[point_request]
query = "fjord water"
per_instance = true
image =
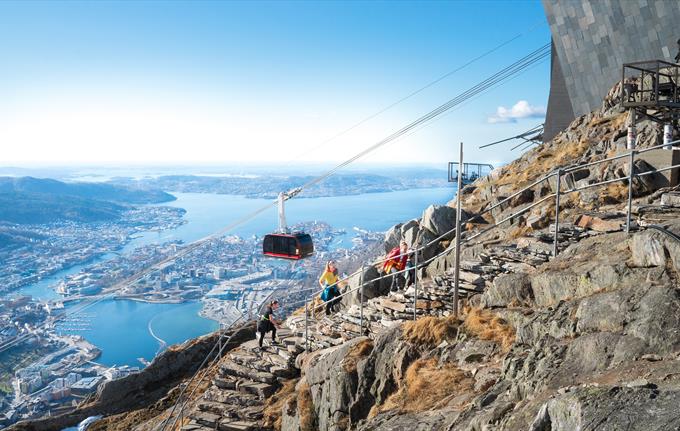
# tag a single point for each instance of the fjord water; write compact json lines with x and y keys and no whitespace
{"x":122,"y":328}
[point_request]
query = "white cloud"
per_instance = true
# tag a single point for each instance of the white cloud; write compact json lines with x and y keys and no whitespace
{"x":521,"y":109}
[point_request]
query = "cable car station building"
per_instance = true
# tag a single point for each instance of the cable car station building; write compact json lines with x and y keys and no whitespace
{"x":592,"y":40}
{"x":597,"y":44}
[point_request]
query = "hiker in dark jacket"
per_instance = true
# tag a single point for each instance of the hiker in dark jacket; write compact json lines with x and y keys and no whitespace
{"x":329,"y":282}
{"x":267,"y":322}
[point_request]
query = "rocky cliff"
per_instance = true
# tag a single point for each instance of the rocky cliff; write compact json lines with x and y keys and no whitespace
{"x":588,"y":340}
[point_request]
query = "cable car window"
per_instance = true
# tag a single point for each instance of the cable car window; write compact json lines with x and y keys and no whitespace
{"x":280,"y":244}
{"x":268,"y":244}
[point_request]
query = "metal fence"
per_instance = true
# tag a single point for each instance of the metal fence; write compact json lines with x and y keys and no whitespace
{"x":558,"y":174}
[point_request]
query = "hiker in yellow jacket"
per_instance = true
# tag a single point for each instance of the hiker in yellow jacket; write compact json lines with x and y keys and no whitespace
{"x":329,"y":282}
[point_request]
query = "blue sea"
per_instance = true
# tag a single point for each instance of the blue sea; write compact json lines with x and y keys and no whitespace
{"x":121,"y":328}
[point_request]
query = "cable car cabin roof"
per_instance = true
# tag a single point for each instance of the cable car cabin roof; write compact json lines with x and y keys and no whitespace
{"x":288,"y":246}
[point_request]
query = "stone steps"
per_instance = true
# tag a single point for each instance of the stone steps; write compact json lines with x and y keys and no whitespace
{"x":231,"y":397}
{"x":229,"y":368}
{"x":262,"y":390}
{"x":215,"y":422}
{"x":193,"y":426}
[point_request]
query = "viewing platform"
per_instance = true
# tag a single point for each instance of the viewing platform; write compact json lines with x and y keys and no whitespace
{"x":651,"y":89}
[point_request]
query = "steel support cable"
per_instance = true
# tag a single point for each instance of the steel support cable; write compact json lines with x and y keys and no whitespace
{"x":503,"y":74}
{"x":509,"y":71}
{"x":133,"y":279}
{"x":205,"y":360}
{"x":416,"y":92}
{"x":665,"y":231}
{"x":193,"y":377}
{"x":471,"y":99}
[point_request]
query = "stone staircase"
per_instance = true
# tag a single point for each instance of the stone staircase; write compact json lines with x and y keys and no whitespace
{"x":247,"y":376}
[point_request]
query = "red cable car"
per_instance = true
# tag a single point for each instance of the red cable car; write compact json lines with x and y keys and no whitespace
{"x":286,"y":245}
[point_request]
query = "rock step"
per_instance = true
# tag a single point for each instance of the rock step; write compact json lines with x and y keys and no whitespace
{"x":248,"y":360}
{"x":294,"y":339}
{"x":229,"y":425}
{"x":231,"y":397}
{"x":230,"y":411}
{"x":262,"y":390}
{"x":278,"y":367}
{"x":206,"y":419}
{"x":224,"y":382}
{"x":214,"y":422}
{"x":193,"y":426}
{"x":229,"y":368}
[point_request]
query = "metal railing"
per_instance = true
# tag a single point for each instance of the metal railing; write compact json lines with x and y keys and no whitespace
{"x":220,"y":346}
{"x":418,"y":265}
{"x":665,"y":231}
{"x":557,"y":174}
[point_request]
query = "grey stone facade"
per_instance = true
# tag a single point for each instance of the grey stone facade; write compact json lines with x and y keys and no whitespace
{"x":592,"y":40}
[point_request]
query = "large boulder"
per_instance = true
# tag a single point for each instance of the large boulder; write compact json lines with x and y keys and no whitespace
{"x":372,"y":289}
{"x":508,"y":289}
{"x":610,"y":408}
{"x":333,"y":385}
{"x":392,"y":237}
{"x":382,"y":372}
{"x":346,"y":381}
{"x":430,"y":247}
{"x":440,"y":219}
{"x":647,"y":249}
{"x":656,"y":319}
{"x":410,"y":231}
{"x":652,"y":248}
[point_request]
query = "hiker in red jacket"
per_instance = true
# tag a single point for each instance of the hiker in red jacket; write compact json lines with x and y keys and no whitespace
{"x":398,"y":260}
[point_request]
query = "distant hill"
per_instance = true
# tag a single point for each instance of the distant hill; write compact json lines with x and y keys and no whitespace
{"x":268,"y":185}
{"x":32,"y":208}
{"x":98,"y":191}
{"x":28,"y":200}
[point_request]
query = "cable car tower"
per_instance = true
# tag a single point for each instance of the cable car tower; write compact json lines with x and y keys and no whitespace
{"x":283,"y":244}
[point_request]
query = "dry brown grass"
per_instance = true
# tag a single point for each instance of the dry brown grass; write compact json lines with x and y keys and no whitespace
{"x":298,"y":312}
{"x":273,"y":407}
{"x":305,"y":408}
{"x":431,"y":331}
{"x":358,"y":351}
{"x":316,"y":307}
{"x":613,"y":193}
{"x":427,"y":385}
{"x":486,"y":325}
{"x":519,"y":231}
{"x":157,"y":412}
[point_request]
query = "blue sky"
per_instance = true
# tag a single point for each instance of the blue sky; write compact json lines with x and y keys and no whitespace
{"x":218,"y":82}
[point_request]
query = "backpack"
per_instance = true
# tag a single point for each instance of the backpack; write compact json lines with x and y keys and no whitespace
{"x":325,"y":295}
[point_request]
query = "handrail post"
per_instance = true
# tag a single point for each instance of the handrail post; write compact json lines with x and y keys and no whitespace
{"x":459,"y":211}
{"x":306,"y":325}
{"x":630,"y":189}
{"x":557,"y":211}
{"x":219,"y":341}
{"x":415,"y":283}
{"x":361,"y":300}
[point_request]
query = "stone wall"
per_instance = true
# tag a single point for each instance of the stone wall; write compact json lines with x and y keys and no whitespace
{"x":594,"y":38}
